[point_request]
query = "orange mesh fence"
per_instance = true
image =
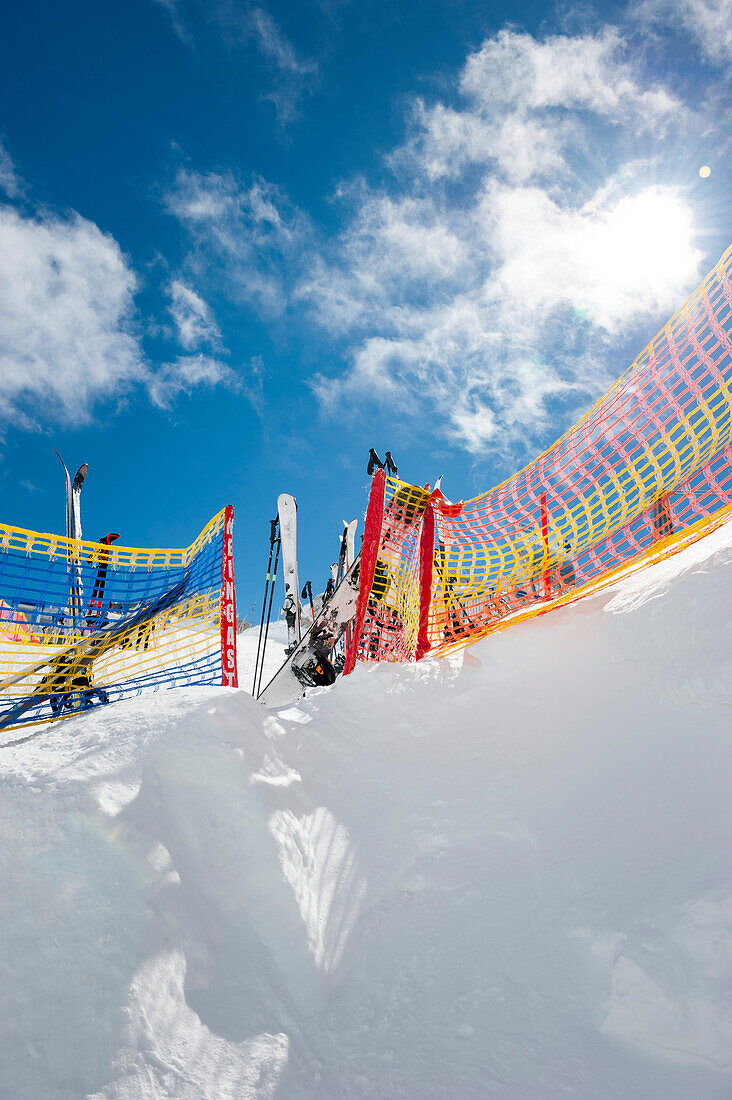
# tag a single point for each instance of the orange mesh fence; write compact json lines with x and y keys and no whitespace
{"x":650,"y":460}
{"x":388,"y":620}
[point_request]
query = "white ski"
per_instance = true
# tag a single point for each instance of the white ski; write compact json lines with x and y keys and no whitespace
{"x":76,"y":485}
{"x":287,"y":511}
{"x":350,"y":542}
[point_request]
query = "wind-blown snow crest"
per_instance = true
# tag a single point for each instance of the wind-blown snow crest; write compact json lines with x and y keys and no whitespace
{"x":505,"y":874}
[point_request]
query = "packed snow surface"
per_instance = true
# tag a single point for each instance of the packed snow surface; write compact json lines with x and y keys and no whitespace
{"x":506,"y":875}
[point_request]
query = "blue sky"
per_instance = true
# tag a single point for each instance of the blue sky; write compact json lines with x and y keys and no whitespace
{"x":242,"y":243}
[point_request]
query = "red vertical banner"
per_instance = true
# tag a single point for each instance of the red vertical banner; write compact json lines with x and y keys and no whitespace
{"x":426,"y":559}
{"x":369,"y":553}
{"x":228,"y":604}
{"x":545,"y":540}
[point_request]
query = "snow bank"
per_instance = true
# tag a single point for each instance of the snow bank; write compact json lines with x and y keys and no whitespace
{"x":504,"y":875}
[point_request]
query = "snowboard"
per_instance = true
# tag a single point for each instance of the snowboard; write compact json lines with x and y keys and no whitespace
{"x":309,"y":665}
{"x":287,"y":512}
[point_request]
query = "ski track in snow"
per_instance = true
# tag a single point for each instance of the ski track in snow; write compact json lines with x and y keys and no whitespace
{"x":503,"y":874}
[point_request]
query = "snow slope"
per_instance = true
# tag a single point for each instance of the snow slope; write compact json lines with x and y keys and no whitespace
{"x":507,"y":875}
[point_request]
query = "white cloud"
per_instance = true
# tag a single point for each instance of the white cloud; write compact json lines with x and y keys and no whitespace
{"x":275,"y":46}
{"x":293,"y":75}
{"x":69,"y":335}
{"x":186,"y":373}
{"x":454,"y":368}
{"x":486,"y":284}
{"x":177,"y":20}
{"x":446,"y":141}
{"x":708,"y":21}
{"x":253,"y":231}
{"x":194,"y":321}
{"x":609,"y":261}
{"x":570,"y":73}
{"x":289,"y":75}
{"x":392,"y":251}
{"x":494,"y":252}
{"x":10,"y":182}
{"x":525,"y":102}
{"x":66,"y":318}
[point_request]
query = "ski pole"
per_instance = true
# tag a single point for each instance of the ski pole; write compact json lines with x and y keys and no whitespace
{"x":341,"y":558}
{"x":272,"y":537}
{"x":307,"y":592}
{"x":374,"y":463}
{"x":390,"y":464}
{"x":261,"y":620}
{"x":269,"y":614}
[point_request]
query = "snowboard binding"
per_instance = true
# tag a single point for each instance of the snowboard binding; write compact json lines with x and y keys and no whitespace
{"x":315,"y":669}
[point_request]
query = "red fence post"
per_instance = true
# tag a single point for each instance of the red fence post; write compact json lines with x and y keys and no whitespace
{"x":545,"y":540}
{"x":229,"y":676}
{"x":426,"y":558}
{"x":369,"y":553}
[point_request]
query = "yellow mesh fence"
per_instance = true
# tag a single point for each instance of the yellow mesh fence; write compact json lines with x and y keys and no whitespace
{"x":639,"y":474}
{"x":84,"y":623}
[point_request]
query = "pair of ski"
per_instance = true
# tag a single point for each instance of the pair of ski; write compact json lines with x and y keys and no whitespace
{"x":287,"y":515}
{"x":309,"y":657}
{"x":73,"y":531}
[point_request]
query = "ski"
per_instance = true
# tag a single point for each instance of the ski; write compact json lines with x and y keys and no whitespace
{"x":101,"y":558}
{"x":77,"y":588}
{"x":350,"y":542}
{"x":76,"y":484}
{"x":341,"y":564}
{"x":310,"y":665}
{"x":287,"y":512}
{"x":69,"y":507}
{"x":348,"y":556}
{"x":73,"y":531}
{"x":73,"y":498}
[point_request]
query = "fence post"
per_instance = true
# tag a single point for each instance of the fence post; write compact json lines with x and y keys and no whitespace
{"x":369,"y":553}
{"x":545,"y":540}
{"x":228,"y":603}
{"x":426,"y":558}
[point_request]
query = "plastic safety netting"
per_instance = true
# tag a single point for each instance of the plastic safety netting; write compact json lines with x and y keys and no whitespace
{"x":84,"y":623}
{"x":648,"y":467}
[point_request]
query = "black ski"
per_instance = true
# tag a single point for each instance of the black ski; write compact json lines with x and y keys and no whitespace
{"x":73,"y":531}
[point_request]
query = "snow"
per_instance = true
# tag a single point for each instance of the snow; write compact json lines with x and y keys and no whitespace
{"x":247,"y":644}
{"x":505,"y":874}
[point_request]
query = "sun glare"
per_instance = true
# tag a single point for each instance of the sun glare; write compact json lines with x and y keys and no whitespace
{"x":651,"y":239}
